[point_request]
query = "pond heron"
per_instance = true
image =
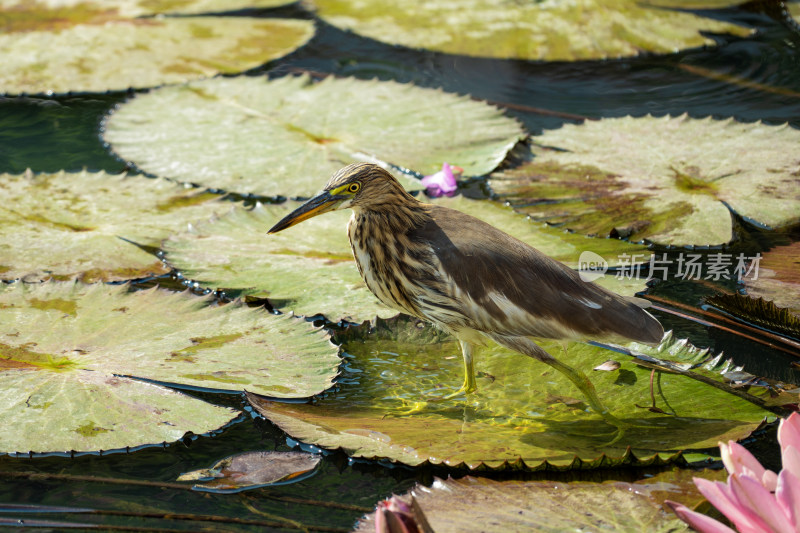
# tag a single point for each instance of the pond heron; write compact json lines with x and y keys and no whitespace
{"x":472,"y":279}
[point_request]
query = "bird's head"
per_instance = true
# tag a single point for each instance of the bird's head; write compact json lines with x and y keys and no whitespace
{"x":360,"y":185}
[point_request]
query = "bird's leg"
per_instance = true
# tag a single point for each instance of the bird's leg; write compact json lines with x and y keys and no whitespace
{"x":469,"y":385}
{"x":578,"y":378}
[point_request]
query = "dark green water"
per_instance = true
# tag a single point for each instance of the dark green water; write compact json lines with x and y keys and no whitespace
{"x":50,"y":134}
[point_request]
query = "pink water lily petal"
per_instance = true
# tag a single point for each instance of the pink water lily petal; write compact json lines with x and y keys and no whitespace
{"x":721,"y":496}
{"x":789,"y":433}
{"x":769,"y":480}
{"x":788,"y":496}
{"x":790,"y":457}
{"x":738,"y":460}
{"x":698,"y":521}
{"x":443,"y":182}
{"x":751,"y":494}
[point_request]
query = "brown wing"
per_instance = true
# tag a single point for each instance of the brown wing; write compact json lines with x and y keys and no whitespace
{"x":521,"y":290}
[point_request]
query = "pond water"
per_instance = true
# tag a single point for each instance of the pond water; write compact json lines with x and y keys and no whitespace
{"x":750,"y":80}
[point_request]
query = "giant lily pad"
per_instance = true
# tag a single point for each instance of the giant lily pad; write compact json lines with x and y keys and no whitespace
{"x":21,"y":9}
{"x":286,"y":136}
{"x":524,"y":414}
{"x":550,"y":507}
{"x":310,"y":268}
{"x":91,"y":47}
{"x":67,"y":226}
{"x":668,"y":179}
{"x":778,"y":278}
{"x":552,"y":31}
{"x":67,"y":349}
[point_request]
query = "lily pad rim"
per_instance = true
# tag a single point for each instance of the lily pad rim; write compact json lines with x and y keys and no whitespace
{"x":628,"y":459}
{"x":239,"y":418}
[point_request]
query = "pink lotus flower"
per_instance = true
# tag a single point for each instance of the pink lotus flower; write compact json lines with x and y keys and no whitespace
{"x":443,"y":182}
{"x":754,"y":499}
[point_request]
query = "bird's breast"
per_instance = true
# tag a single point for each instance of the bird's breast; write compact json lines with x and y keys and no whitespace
{"x":380,"y":263}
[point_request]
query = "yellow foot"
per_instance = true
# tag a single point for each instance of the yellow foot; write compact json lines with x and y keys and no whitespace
{"x":411,"y":409}
{"x":465,"y":389}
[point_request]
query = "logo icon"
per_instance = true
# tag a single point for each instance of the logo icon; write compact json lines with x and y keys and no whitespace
{"x":591,"y":266}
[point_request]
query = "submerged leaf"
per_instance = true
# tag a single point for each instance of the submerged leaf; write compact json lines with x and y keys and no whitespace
{"x":287,"y":136}
{"x":251,"y":470}
{"x":524,"y":414}
{"x":668,"y":179}
{"x":310,"y":269}
{"x":92,"y":47}
{"x":455,"y":505}
{"x":66,"y":349}
{"x":548,"y":30}
{"x":87,"y":225}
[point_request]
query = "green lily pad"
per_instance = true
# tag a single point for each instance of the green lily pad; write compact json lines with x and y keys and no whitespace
{"x":310,"y":269}
{"x":285,"y":136}
{"x":67,"y":351}
{"x":551,"y":31}
{"x":250,"y":470}
{"x":91,"y":47}
{"x":455,"y":505}
{"x":78,"y":226}
{"x":778,"y":278}
{"x":694,"y":4}
{"x":524,"y":414}
{"x":25,"y":10}
{"x":666,"y":179}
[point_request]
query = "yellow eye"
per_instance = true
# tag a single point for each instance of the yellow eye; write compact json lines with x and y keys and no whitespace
{"x":354,"y":187}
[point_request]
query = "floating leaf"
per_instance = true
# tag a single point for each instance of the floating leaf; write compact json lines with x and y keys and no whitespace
{"x":694,"y":4}
{"x":287,"y":136}
{"x":66,"y":348}
{"x":524,"y":414}
{"x":67,"y":226}
{"x":551,"y":31}
{"x":548,"y":506}
{"x":763,"y":313}
{"x":666,"y":179}
{"x":311,"y":270}
{"x":90,"y":47}
{"x":249,"y":470}
{"x":81,"y":9}
{"x":778,"y":278}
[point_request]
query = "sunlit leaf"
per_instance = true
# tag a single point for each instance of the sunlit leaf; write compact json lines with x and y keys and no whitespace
{"x":310,"y":268}
{"x":92,"y":47}
{"x":252,"y":469}
{"x":456,"y":505}
{"x":668,"y":179}
{"x":524,"y":414}
{"x":79,"y":9}
{"x":287,"y":136}
{"x":66,"y":351}
{"x":67,"y":226}
{"x":694,"y":4}
{"x":793,"y":10}
{"x":551,"y":31}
